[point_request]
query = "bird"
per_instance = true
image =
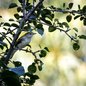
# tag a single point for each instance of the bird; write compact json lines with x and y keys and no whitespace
{"x":22,"y":42}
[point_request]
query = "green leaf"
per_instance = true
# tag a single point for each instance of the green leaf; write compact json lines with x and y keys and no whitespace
{"x":63,"y":4}
{"x":51,"y":16}
{"x":45,"y":12}
{"x":31,"y":81}
{"x":77,"y":17}
{"x":40,"y":67}
{"x":40,"y":29}
{"x":11,"y":19}
{"x":7,"y":24}
{"x":39,"y":64}
{"x":5,"y":28}
{"x":76,"y":46}
{"x":16,"y":16}
{"x":84,"y":8}
{"x":10,"y":78}
{"x":35,"y":77}
{"x":14,"y":25}
{"x":75,"y":29}
{"x":17,"y":63}
{"x":82,"y":36}
{"x":21,"y":1}
{"x":81,"y":18}
{"x":43,"y":53}
{"x":46,"y":49}
{"x":1,"y":46}
{"x":68,"y":18}
{"x":32,"y":68}
{"x":0,"y":16}
{"x":51,"y":29}
{"x":70,"y":5}
{"x":34,"y":0}
{"x":84,"y":21}
{"x":39,"y":26}
{"x":12,"y":5}
{"x":65,"y":24}
{"x":32,"y":17}
{"x":48,"y":22}
{"x":19,"y":9}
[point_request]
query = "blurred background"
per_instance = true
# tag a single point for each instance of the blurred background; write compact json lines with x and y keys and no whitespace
{"x":62,"y":66}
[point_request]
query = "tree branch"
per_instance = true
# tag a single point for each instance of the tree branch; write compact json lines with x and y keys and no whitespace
{"x":22,"y":22}
{"x":30,"y":51}
{"x":61,"y":30}
{"x":68,"y":11}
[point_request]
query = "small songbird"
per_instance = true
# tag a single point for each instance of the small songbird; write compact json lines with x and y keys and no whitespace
{"x":22,"y":42}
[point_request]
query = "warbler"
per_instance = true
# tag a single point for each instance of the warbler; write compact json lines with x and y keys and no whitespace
{"x":22,"y":42}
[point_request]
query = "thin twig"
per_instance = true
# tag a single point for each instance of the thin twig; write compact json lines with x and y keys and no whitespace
{"x":68,"y":11}
{"x":24,"y":10}
{"x":30,"y":51}
{"x":8,"y":32}
{"x":61,"y":30}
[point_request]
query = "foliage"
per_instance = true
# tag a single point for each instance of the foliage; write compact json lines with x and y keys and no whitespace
{"x":32,"y":17}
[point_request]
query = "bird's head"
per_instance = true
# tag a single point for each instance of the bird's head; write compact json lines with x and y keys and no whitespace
{"x":30,"y":34}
